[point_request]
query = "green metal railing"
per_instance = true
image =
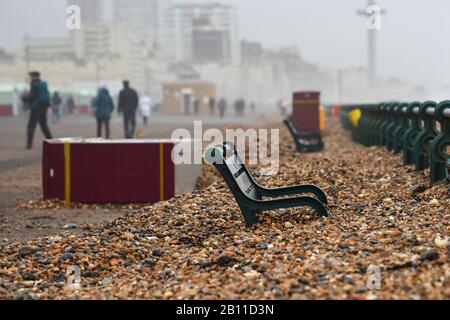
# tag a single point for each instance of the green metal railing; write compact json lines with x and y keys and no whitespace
{"x":420,"y":130}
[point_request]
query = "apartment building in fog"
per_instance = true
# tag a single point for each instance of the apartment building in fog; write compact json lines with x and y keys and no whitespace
{"x":143,"y":18}
{"x":201,"y":33}
{"x":91,"y":10}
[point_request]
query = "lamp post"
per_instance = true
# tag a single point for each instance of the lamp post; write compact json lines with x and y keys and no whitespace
{"x":373,"y":14}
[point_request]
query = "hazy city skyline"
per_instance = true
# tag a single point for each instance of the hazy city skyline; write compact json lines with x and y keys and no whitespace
{"x":412,"y":41}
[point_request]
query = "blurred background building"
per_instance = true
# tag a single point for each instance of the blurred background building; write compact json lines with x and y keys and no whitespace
{"x":143,"y":18}
{"x":92,"y":11}
{"x":201,"y":33}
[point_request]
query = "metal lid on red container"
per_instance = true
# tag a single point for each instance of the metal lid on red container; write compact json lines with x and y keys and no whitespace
{"x":303,"y":97}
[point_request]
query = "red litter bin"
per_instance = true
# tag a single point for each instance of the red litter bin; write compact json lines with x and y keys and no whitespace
{"x":305,"y":111}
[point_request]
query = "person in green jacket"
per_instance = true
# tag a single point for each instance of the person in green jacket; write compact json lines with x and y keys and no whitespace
{"x":103,"y":105}
{"x":39,"y":101}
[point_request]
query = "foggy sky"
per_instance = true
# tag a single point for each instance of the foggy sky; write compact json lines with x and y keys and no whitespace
{"x":414,"y":42}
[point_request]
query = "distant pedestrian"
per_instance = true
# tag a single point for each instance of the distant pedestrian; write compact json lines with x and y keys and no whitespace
{"x":187,"y":103}
{"x":39,"y":100}
{"x":128,"y":103}
{"x":145,"y":106}
{"x":103,"y":105}
{"x":222,"y":107}
{"x":243,"y":106}
{"x":56,"y":107}
{"x":212,"y":105}
{"x":239,"y":107}
{"x":196,"y":104}
{"x":282,"y":105}
{"x":70,"y":104}
{"x":236,"y":107}
{"x":157,"y":107}
{"x":252,"y":107}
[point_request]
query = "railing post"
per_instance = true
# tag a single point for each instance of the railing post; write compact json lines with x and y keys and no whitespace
{"x":372,"y":119}
{"x":439,"y":159}
{"x":384,"y":124}
{"x":376,"y":128}
{"x":400,"y":127}
{"x":411,"y":133}
{"x":389,"y":129}
{"x":363,"y":126}
{"x":425,"y":136}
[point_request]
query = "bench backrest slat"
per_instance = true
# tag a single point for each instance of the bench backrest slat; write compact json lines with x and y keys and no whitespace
{"x":233,"y":164}
{"x":246,"y":185}
{"x":235,"y":169}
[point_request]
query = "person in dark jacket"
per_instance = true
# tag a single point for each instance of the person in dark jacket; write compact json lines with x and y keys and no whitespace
{"x":242,"y":107}
{"x":222,"y":107}
{"x":128,"y":103}
{"x":196,"y":104}
{"x":39,"y":101}
{"x":103,"y":105}
{"x":239,"y":106}
{"x":70,"y":103}
{"x":212,"y":105}
{"x":56,"y":107}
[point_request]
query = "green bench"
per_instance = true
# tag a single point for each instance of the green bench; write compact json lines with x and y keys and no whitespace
{"x":305,"y":141}
{"x":250,"y":195}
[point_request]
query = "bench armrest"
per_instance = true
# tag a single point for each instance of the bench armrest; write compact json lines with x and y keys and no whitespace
{"x":298,"y":189}
{"x":318,"y":206}
{"x":309,"y":134}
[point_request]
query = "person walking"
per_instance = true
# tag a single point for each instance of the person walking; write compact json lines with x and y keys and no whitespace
{"x":145,"y":106}
{"x":56,"y":107}
{"x":103,"y":105}
{"x":128,"y":103}
{"x":70,"y":103}
{"x":212,"y":106}
{"x":239,"y":107}
{"x":196,"y":104}
{"x":282,"y":105}
{"x":39,"y":100}
{"x":222,"y":107}
{"x":242,"y":107}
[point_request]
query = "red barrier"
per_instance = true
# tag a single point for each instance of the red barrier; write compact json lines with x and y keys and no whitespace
{"x":108,"y":171}
{"x":6,"y":110}
{"x":84,"y":109}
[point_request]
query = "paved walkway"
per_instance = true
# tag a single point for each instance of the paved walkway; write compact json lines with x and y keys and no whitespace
{"x":13,"y":132}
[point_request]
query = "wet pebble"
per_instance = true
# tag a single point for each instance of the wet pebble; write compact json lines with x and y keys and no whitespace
{"x":429,"y":255}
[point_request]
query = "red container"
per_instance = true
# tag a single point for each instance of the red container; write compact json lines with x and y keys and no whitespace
{"x":335,"y":111}
{"x":305,"y":111}
{"x":6,"y":110}
{"x":101,"y":171}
